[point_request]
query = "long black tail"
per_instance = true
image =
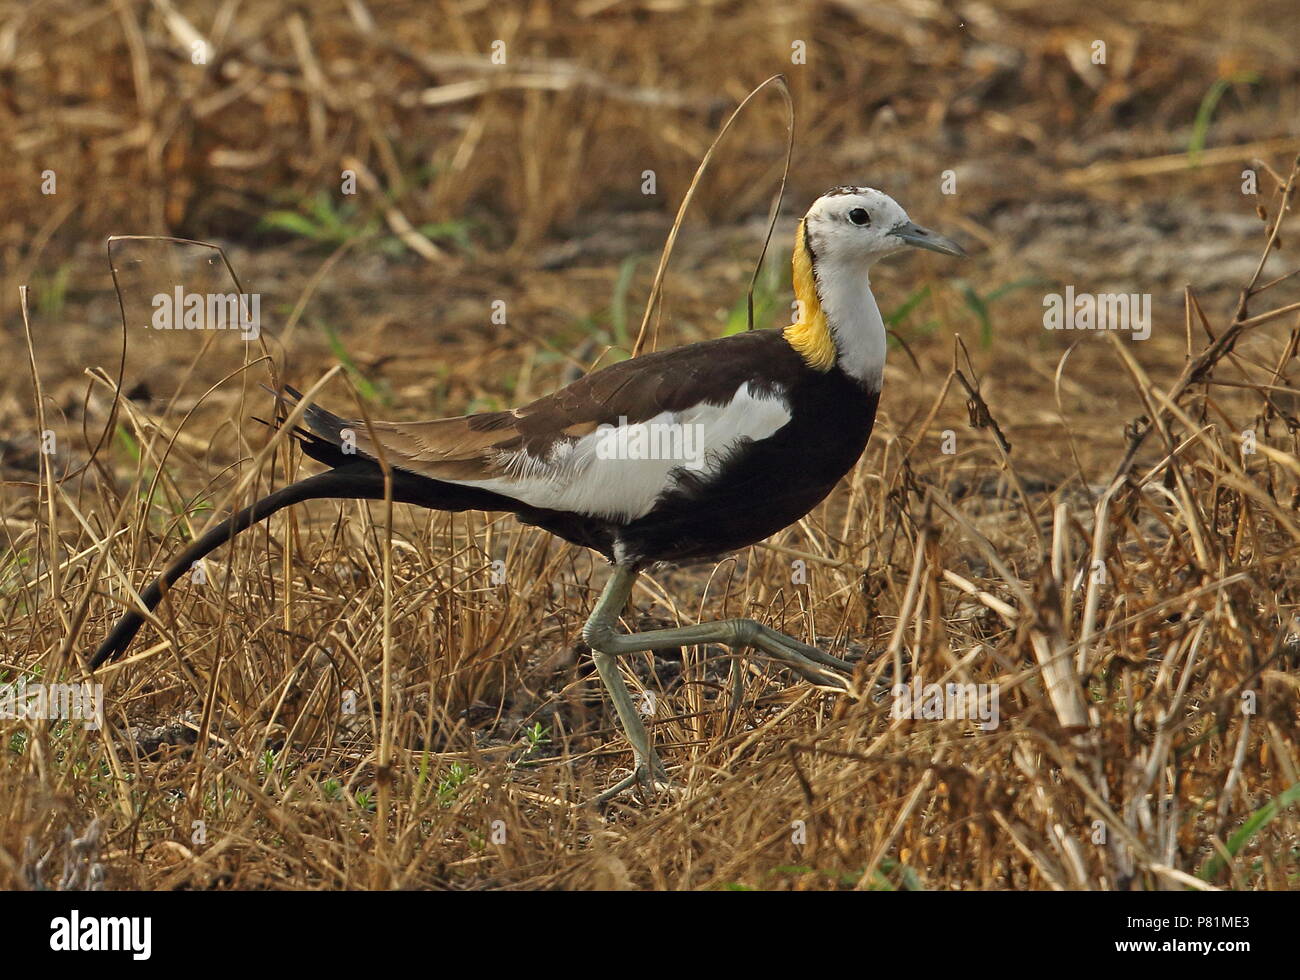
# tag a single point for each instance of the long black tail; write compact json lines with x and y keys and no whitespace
{"x":360,"y":480}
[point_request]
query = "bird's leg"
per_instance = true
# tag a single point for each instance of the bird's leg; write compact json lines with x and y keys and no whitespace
{"x":607,"y":643}
{"x":809,"y":662}
{"x":600,"y":626}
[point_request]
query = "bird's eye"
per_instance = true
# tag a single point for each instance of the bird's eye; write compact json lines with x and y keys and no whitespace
{"x":859,"y":216}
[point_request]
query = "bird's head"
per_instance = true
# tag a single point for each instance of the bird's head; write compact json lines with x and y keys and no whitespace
{"x":855,"y":226}
{"x":843,"y":234}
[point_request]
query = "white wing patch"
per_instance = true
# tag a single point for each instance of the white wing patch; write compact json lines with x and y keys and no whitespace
{"x":617,"y":472}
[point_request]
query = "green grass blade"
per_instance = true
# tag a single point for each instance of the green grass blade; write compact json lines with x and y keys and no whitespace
{"x":1256,"y":822}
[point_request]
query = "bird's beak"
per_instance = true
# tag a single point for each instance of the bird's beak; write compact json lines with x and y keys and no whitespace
{"x":914,"y":234}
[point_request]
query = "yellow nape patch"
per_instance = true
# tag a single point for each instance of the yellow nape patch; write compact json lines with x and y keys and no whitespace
{"x":810,"y":335}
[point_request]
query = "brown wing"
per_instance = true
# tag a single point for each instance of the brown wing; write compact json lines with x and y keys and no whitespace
{"x":482,"y":446}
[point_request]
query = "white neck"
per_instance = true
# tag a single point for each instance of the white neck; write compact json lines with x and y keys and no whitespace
{"x":855,"y":323}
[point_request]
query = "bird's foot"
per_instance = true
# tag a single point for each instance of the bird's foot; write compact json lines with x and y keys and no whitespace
{"x":650,"y":779}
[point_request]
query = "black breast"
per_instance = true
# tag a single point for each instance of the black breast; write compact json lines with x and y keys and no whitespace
{"x":765,"y":485}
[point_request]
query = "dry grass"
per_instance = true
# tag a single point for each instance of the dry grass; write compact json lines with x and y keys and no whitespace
{"x":1098,"y":547}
